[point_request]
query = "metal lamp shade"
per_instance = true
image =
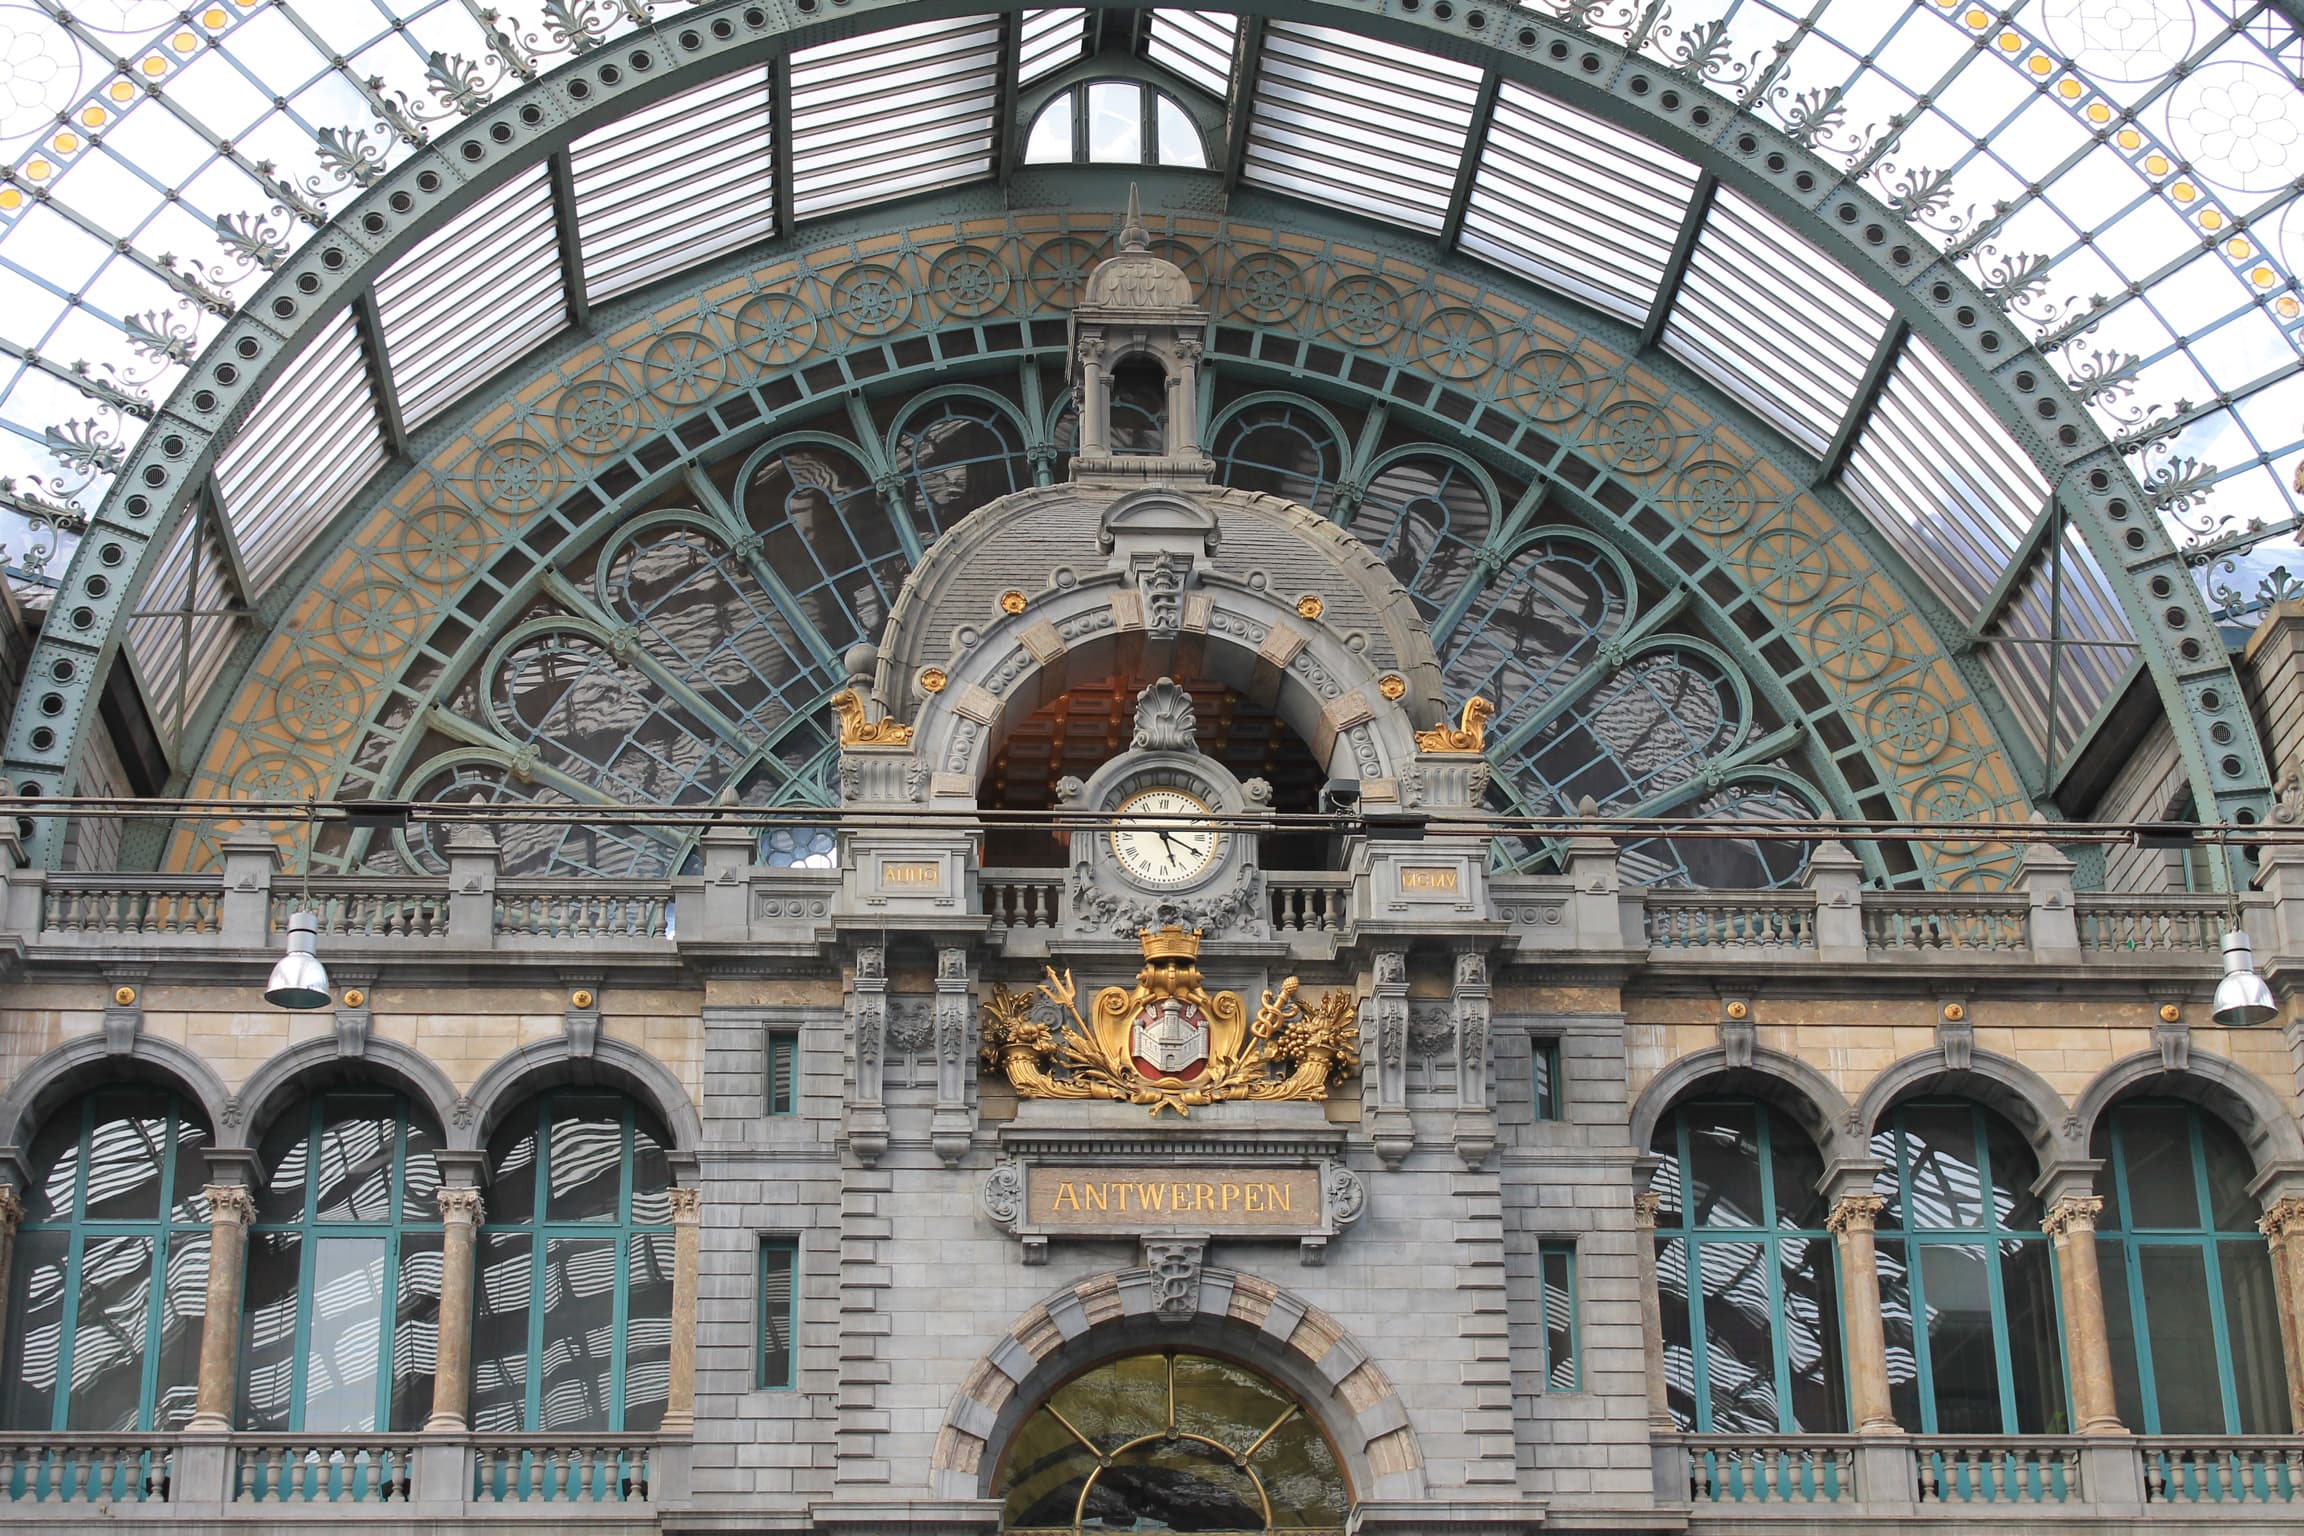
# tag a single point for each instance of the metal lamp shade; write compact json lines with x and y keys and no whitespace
{"x":2241,"y":997}
{"x":299,"y":980}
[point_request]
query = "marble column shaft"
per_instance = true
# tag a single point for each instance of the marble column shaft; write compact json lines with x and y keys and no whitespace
{"x":1852,"y":1223}
{"x":230,"y":1209}
{"x":461,"y":1213}
{"x":1644,"y":1207}
{"x":687,"y":1247}
{"x":2283,"y":1229}
{"x":2071,"y":1223}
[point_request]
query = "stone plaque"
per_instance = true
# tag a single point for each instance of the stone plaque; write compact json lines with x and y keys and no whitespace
{"x":1264,"y":1200}
{"x":1310,"y":1201}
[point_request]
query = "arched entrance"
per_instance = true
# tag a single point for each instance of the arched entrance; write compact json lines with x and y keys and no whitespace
{"x":1172,"y":1441}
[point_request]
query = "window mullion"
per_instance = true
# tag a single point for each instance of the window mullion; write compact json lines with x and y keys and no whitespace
{"x":2212,"y":1272}
{"x":1772,"y":1258}
{"x":2132,"y":1265}
{"x":156,"y":1304}
{"x":1692,"y":1256}
{"x":532,"y":1409}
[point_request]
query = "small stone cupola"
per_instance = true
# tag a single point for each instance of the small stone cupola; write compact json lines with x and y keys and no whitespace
{"x":1138,"y":312}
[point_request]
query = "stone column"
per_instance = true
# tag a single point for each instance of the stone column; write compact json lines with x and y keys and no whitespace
{"x":461,"y":1213}
{"x":2071,"y":1223}
{"x":11,"y":1217}
{"x":1852,"y":1223}
{"x":230,"y":1209}
{"x":687,"y":1244}
{"x":2283,"y":1228}
{"x":1644,"y":1206}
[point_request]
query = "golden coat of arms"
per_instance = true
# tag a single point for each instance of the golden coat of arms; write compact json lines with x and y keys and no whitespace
{"x":1170,"y":1043}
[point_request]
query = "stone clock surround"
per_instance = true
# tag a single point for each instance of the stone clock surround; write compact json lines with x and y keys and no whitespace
{"x":977,"y":670}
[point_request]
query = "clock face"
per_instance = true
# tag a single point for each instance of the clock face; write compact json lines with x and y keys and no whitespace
{"x":1177,"y":849}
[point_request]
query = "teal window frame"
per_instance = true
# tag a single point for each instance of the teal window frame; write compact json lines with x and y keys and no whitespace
{"x":542,"y":1230}
{"x":312,"y":1230}
{"x":1992,"y":1236}
{"x":1544,"y":1096}
{"x":780,"y":1077}
{"x":2119,"y":1241}
{"x":1563,"y":1315}
{"x":168,"y":1232}
{"x":1772,"y":1238}
{"x":774,"y":1252}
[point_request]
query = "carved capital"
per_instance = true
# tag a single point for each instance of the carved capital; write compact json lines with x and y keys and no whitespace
{"x":687,"y":1206}
{"x":11,"y":1208}
{"x":229,"y":1204}
{"x":460,"y":1203}
{"x":1645,"y":1206}
{"x":1855,"y":1213}
{"x":2284,"y":1217}
{"x":2075,"y":1214}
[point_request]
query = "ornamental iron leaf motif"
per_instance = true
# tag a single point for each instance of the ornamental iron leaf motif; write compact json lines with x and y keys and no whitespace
{"x":1287,"y":1051}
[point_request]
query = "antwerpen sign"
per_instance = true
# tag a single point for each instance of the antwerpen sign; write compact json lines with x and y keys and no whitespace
{"x":1308,"y":1200}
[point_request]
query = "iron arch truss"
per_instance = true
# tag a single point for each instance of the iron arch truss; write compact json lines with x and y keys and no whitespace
{"x":847,"y":300}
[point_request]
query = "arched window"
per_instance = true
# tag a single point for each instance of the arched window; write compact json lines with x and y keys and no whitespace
{"x":111,"y":1268}
{"x":1426,"y":516}
{"x":1281,"y":449}
{"x":1745,"y":1273}
{"x":341,"y":1324}
{"x":573,"y":1324}
{"x":596,"y":716}
{"x":2188,"y":1291}
{"x":1171,"y":1443}
{"x":1960,"y":1246}
{"x":955,"y":455}
{"x":1115,"y":122}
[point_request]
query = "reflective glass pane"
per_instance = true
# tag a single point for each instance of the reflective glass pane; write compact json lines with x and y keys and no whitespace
{"x":1116,"y":122}
{"x":648,"y":1332}
{"x":2185,"y":1379}
{"x":1050,"y":141}
{"x":111,"y":1333}
{"x":955,"y":456}
{"x":1281,"y":449}
{"x":268,"y":1330}
{"x":1173,"y":1485}
{"x":1963,"y":1355}
{"x":183,"y":1312}
{"x":1679,"y":1348}
{"x":2252,"y":1323}
{"x":1811,"y":1334}
{"x":341,"y":1357}
{"x":2120,"y":1331}
{"x":1944,"y":1188}
{"x":2156,"y":1153}
{"x":1724,"y":1166}
{"x":2230,"y":1171}
{"x":352,"y":1169}
{"x":1557,"y":1261}
{"x":37,"y":1290}
{"x":1538,"y":625}
{"x":512,"y":1169}
{"x":56,"y":1158}
{"x":1739,"y":1337}
{"x":505,"y":1283}
{"x":1179,"y":139}
{"x":2014,"y":1168}
{"x":1426,"y":516}
{"x":2035,"y":1338}
{"x":127,"y":1151}
{"x":1891,"y":1257}
{"x":415,"y":1330}
{"x":586,"y":1159}
{"x":577,"y":1347}
{"x":1298,"y":1469}
{"x":827,"y":538}
{"x":1796,"y":1171}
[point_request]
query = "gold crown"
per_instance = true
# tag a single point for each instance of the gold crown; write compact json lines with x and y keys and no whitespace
{"x":1170,"y":943}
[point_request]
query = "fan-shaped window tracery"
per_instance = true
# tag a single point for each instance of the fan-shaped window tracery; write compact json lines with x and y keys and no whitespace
{"x":827,"y":538}
{"x":956,"y":454}
{"x":1283,"y":448}
{"x":1427,"y":515}
{"x":600,"y":717}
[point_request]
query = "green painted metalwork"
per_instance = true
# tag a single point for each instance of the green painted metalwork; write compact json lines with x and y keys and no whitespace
{"x":110,"y":1272}
{"x":1826,"y":205}
{"x":2188,"y":1285}
{"x":1967,"y":1278}
{"x":1746,"y":1274}
{"x":572,"y":1329}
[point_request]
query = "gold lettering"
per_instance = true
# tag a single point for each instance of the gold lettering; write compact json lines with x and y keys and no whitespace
{"x":1253,"y":1204}
{"x":1151,"y":1197}
{"x":917,"y":872}
{"x":1098,"y":1195}
{"x":1176,"y":1194}
{"x":1204,"y":1197}
{"x":1067,"y":1195}
{"x":1231,"y":1193}
{"x":1281,"y":1196}
{"x":1427,"y":878}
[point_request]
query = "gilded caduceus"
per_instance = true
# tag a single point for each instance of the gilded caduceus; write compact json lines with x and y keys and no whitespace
{"x":1277,"y":1009}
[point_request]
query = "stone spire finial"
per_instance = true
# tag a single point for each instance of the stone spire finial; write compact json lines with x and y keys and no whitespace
{"x":1133,"y":238}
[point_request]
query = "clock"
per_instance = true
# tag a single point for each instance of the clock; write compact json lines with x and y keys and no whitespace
{"x":1181,"y":846}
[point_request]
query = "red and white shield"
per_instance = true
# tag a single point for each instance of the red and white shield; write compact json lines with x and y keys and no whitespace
{"x":1170,"y":1039}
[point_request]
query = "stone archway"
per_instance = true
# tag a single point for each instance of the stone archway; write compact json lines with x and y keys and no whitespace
{"x":1231,"y":1314}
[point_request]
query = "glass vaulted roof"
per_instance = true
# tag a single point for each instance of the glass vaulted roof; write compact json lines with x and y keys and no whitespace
{"x":2120,"y":175}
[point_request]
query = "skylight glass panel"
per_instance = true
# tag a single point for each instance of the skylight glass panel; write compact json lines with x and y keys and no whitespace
{"x":1944,"y":481}
{"x":1776,"y":321}
{"x":2071,"y":602}
{"x":891,"y":113}
{"x":1050,"y":40}
{"x":676,"y":183}
{"x":1360,"y":124}
{"x":179,"y":654}
{"x":307,"y":448}
{"x":1197,"y":46}
{"x":473,"y":297}
{"x":1565,"y":198}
